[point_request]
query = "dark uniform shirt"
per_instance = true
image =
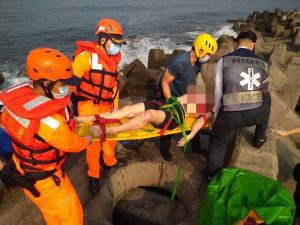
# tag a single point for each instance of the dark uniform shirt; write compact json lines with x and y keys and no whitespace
{"x":184,"y":73}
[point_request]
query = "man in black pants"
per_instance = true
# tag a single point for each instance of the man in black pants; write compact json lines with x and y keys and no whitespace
{"x":180,"y":73}
{"x":241,"y":99}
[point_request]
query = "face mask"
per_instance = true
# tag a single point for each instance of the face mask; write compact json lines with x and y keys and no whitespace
{"x":205,"y":59}
{"x":63,"y":92}
{"x":114,"y":49}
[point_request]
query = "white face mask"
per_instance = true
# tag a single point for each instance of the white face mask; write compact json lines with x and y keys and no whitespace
{"x":63,"y":92}
{"x":205,"y":59}
{"x":114,"y":49}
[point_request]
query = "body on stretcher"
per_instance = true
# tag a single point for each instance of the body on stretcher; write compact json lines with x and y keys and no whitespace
{"x":147,"y":131}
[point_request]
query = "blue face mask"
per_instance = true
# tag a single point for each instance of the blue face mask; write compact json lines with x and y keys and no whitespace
{"x":63,"y":92}
{"x":113,"y":49}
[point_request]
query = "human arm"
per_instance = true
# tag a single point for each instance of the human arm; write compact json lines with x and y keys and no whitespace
{"x":218,"y":89}
{"x":199,"y":123}
{"x":283,"y":133}
{"x":167,"y":79}
{"x":56,"y":132}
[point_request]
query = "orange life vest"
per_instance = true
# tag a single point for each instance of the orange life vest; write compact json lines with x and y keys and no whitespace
{"x":98,"y":83}
{"x":23,"y":110}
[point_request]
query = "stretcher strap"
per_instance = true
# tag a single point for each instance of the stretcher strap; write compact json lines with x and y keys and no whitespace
{"x":101,"y":121}
{"x":162,"y":131}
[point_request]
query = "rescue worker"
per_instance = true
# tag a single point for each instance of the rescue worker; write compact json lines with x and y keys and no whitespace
{"x":38,"y":121}
{"x":6,"y":148}
{"x":181,"y":72}
{"x":96,"y":66}
{"x":241,"y":99}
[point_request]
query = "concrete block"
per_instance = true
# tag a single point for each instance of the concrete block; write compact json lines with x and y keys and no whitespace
{"x":157,"y":58}
{"x":208,"y":72}
{"x":277,"y":75}
{"x":278,"y":54}
{"x":279,"y":107}
{"x":279,"y":31}
{"x":263,"y":161}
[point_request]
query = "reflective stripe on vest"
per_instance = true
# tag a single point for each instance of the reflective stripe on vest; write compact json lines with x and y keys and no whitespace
{"x":24,"y":122}
{"x":94,"y":64}
{"x":242,"y":97}
{"x":36,"y":102}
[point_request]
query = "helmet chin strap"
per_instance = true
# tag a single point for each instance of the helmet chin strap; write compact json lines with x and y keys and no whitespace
{"x":47,"y":88}
{"x":106,"y":40}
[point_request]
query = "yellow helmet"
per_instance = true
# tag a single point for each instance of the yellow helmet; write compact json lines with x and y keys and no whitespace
{"x":206,"y":43}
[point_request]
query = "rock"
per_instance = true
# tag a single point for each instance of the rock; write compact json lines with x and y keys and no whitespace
{"x":278,"y":54}
{"x":279,"y":31}
{"x":263,"y":161}
{"x":138,"y":83}
{"x":225,"y":46}
{"x":297,"y":38}
{"x":1,"y":79}
{"x":277,"y":76}
{"x":22,"y":72}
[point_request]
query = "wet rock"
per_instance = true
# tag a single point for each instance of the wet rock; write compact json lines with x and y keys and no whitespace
{"x":137,"y":82}
{"x":1,"y":79}
{"x":22,"y":72}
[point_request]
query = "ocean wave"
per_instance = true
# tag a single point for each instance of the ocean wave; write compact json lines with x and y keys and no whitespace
{"x":137,"y":48}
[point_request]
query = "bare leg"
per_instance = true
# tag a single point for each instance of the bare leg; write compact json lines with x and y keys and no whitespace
{"x":128,"y":111}
{"x":155,"y":116}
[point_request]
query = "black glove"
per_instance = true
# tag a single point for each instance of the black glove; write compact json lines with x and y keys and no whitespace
{"x":11,"y":177}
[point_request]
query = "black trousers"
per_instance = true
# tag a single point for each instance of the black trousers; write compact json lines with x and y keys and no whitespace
{"x":225,"y":127}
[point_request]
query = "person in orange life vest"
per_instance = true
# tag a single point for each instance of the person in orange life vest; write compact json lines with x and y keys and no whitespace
{"x":96,"y":66}
{"x":38,"y":121}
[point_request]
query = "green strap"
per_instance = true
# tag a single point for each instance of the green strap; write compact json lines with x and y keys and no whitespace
{"x":170,"y":107}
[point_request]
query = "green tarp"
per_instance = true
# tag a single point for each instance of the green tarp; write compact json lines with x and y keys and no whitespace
{"x":233,"y":192}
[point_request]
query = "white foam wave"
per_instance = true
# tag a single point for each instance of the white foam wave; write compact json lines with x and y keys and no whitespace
{"x":139,"y":48}
{"x":227,"y":29}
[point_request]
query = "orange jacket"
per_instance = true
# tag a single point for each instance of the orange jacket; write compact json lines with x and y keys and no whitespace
{"x":38,"y":129}
{"x":99,"y":82}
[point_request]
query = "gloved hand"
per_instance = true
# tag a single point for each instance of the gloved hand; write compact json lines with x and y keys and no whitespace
{"x":11,"y":177}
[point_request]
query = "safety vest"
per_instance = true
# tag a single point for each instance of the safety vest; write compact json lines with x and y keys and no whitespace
{"x":21,"y":117}
{"x":244,"y":80}
{"x":98,"y":83}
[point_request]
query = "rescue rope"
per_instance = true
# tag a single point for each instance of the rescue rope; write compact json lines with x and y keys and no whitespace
{"x":172,"y":105}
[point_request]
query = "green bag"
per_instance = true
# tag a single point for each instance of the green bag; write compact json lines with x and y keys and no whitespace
{"x":234,"y":192}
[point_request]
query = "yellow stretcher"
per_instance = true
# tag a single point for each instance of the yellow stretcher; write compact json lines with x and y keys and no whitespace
{"x":147,"y":131}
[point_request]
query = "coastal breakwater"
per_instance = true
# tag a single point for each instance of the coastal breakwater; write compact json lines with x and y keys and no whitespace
{"x":279,"y":44}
